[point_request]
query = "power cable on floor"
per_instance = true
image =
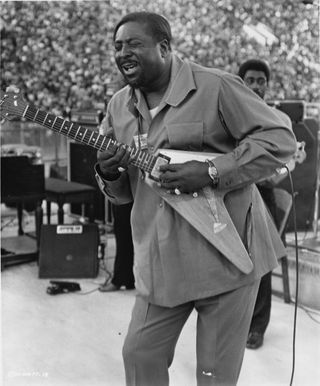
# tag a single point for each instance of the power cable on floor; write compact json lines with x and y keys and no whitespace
{"x":297,"y":278}
{"x":88,"y":292}
{"x":309,"y":313}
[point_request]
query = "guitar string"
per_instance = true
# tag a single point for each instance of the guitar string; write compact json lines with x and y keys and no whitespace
{"x":72,"y":130}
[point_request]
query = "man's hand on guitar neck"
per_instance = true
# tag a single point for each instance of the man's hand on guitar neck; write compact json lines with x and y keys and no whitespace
{"x":112,"y":163}
{"x":187,"y":177}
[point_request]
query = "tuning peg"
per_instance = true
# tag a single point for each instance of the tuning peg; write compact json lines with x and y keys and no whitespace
{"x":13,"y":88}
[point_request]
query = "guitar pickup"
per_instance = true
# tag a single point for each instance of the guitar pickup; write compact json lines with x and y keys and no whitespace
{"x":160,"y":160}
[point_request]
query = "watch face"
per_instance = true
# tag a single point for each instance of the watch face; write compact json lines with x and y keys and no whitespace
{"x":213,"y":172}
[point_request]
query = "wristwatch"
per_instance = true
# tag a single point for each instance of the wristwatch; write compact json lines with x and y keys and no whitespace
{"x":213,"y":173}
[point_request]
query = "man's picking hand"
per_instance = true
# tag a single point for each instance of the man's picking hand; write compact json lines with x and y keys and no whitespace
{"x":188,"y":177}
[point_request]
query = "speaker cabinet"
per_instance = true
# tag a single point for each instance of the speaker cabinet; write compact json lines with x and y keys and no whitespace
{"x":304,"y":175}
{"x":295,"y":109}
{"x":69,"y":251}
{"x":82,"y":159}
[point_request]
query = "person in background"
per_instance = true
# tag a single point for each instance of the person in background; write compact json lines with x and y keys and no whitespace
{"x":170,"y":103}
{"x":256,"y":75}
{"x":123,"y":262}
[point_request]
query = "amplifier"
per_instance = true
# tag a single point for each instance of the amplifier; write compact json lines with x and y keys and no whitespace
{"x":69,"y":251}
{"x":295,"y":109}
{"x":86,"y":118}
{"x":82,"y":159}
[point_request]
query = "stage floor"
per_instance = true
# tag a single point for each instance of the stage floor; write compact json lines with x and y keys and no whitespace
{"x":76,"y":339}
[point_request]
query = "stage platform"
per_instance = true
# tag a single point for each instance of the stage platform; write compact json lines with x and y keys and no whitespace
{"x":76,"y":339}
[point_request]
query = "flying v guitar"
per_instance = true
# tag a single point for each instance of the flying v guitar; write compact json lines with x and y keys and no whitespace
{"x":206,"y":212}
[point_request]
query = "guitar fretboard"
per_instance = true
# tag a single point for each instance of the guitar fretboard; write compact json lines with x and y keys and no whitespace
{"x":139,"y":158}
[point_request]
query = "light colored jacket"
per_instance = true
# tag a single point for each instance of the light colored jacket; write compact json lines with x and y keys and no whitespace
{"x":203,"y":110}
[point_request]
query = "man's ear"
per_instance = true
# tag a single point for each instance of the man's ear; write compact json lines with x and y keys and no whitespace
{"x":164,"y":47}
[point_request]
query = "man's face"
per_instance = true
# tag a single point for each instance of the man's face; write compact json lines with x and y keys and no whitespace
{"x":256,"y":81}
{"x":138,"y":57}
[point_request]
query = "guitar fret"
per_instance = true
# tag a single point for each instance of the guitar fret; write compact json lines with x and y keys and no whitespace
{"x":80,"y":133}
{"x":70,"y":128}
{"x":108,"y":144}
{"x":41,"y":117}
{"x":25,"y":110}
{"x":132,"y":152}
{"x":84,"y":135}
{"x":65,"y":123}
{"x":48,"y":120}
{"x":143,"y":158}
{"x":103,"y":140}
{"x":75,"y":136}
{"x":98,"y":144}
{"x":74,"y":130}
{"x":90,"y":137}
{"x":147,"y":158}
{"x":146,"y":164}
{"x":30,"y":112}
{"x":152,"y":164}
{"x":94,"y":139}
{"x":136,"y":152}
{"x":45,"y":118}
{"x":35,"y":117}
{"x":57,"y":121}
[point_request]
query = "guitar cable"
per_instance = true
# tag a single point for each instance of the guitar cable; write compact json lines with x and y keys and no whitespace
{"x":296,"y":277}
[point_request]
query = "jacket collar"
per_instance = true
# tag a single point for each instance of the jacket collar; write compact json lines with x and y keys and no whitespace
{"x":181,"y":83}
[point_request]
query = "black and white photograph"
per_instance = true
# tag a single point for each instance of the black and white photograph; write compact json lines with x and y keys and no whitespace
{"x":160,"y":181}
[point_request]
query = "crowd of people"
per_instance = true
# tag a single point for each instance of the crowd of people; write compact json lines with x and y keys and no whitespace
{"x":60,"y":54}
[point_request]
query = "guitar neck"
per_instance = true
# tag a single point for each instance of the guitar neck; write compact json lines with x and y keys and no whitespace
{"x":140,"y":159}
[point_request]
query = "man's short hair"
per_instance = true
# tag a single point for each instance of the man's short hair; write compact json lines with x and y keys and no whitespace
{"x":256,"y":65}
{"x":158,"y":25}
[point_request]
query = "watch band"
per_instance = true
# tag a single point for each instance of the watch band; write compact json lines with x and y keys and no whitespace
{"x":213,"y":173}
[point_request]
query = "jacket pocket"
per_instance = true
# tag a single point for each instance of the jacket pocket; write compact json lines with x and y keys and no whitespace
{"x":185,"y":136}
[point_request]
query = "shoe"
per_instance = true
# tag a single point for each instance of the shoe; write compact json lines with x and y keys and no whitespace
{"x":255,"y":340}
{"x":109,"y":287}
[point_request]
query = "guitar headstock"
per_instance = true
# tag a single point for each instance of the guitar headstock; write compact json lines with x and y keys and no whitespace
{"x":12,"y":105}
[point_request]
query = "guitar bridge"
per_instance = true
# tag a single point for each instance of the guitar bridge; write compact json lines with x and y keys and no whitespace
{"x":160,"y":160}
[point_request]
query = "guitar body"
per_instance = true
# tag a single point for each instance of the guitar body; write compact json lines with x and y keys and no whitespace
{"x":207,"y":212}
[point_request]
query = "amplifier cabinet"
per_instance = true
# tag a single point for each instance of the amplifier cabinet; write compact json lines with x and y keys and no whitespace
{"x":82,"y":159}
{"x":69,"y":251}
